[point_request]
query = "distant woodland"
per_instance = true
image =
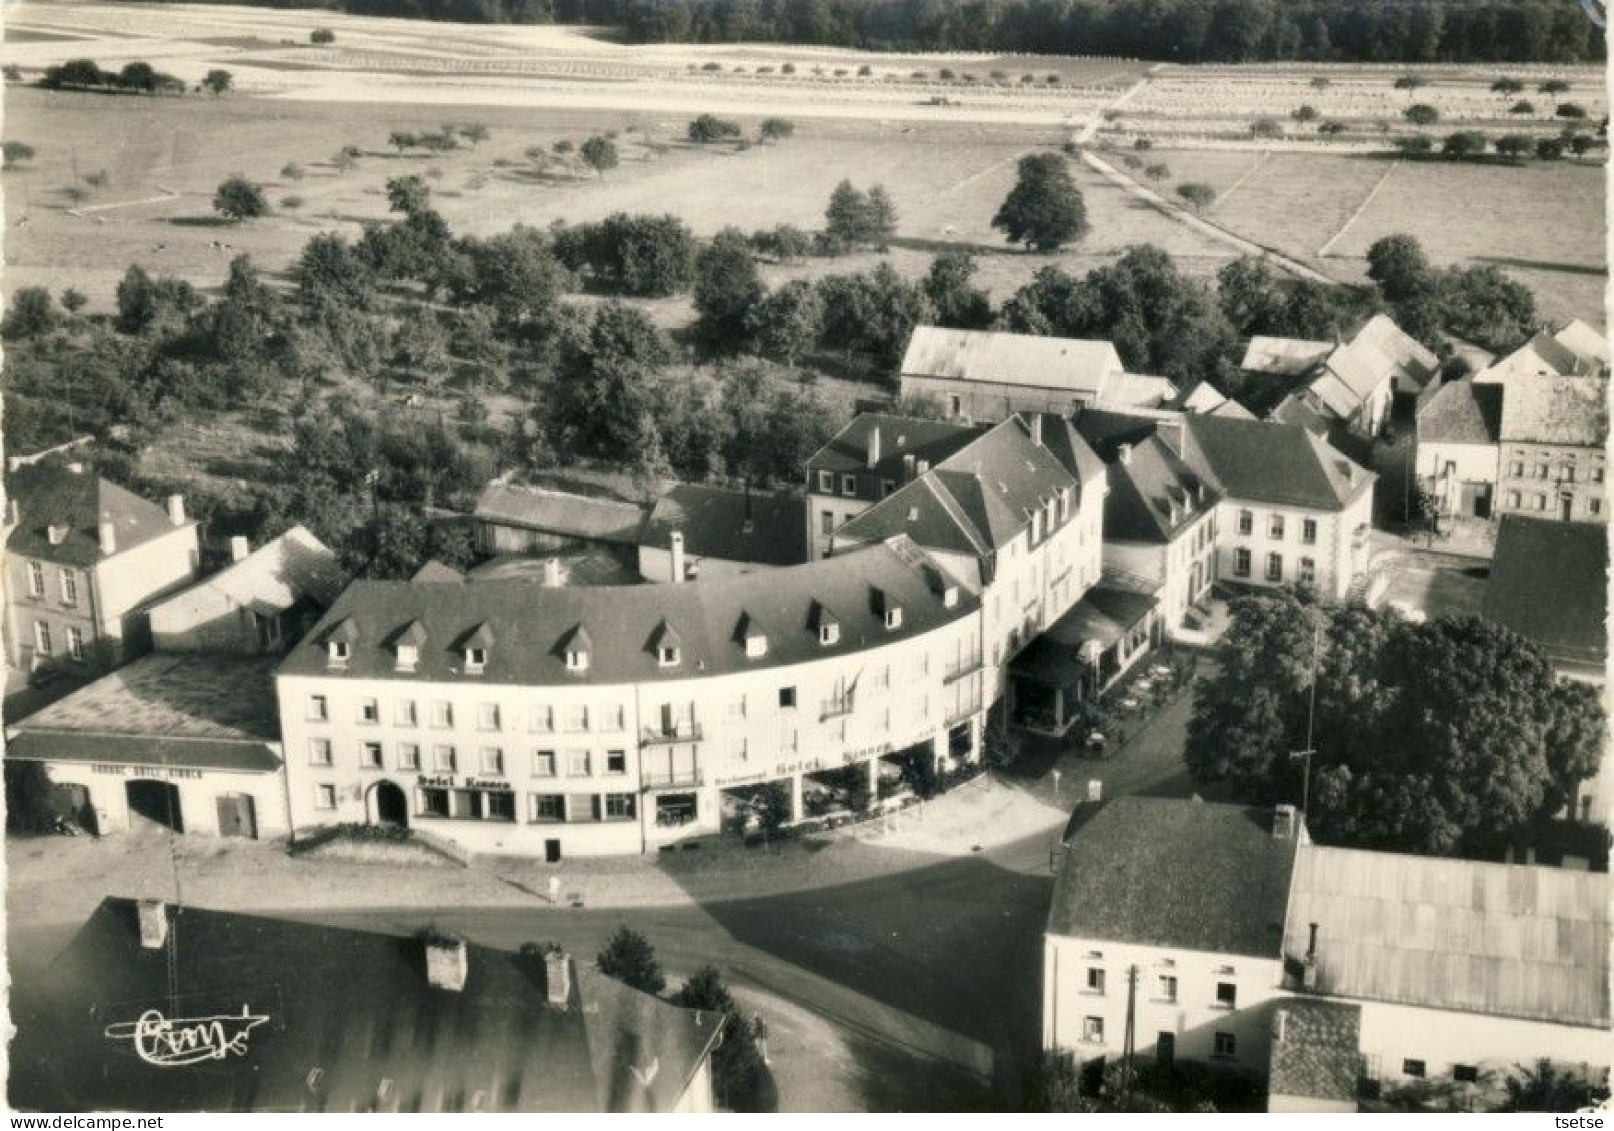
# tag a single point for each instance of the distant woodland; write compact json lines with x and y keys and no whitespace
{"x":1188,"y":31}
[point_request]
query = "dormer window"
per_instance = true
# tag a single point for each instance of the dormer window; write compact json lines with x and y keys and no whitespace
{"x":406,"y":646}
{"x":667,"y":645}
{"x":667,"y":657}
{"x":576,"y":660}
{"x":829,"y":633}
{"x":408,"y":657}
{"x":56,"y":532}
{"x":893,"y":616}
{"x":338,"y":652}
{"x":474,"y":647}
{"x":756,"y":646}
{"x":825,"y":624}
{"x":476,"y":659}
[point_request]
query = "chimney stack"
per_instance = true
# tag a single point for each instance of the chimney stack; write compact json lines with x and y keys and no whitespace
{"x":1036,"y":429}
{"x":153,"y":924}
{"x":874,"y":446}
{"x":551,"y":573}
{"x":109,"y":538}
{"x":1283,"y":822}
{"x":447,"y":963}
{"x":176,"y":509}
{"x":239,"y":548}
{"x":1124,"y":453}
{"x":677,"y":556}
{"x":908,"y":465}
{"x":558,"y":977}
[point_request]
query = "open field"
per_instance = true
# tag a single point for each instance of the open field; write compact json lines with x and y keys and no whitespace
{"x":1541,"y":223}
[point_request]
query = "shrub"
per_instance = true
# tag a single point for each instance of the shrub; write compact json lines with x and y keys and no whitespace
{"x":292,"y":171}
{"x":709,"y":128}
{"x":711,"y":66}
{"x":1522,"y":106}
{"x":865,"y":71}
{"x":1305,"y":113}
{"x":1463,"y":143}
{"x":1421,"y":114}
{"x":1514,"y":145}
{"x":1143,"y":143}
{"x":1570,"y":110}
{"x":946,"y":74}
{"x":1550,"y":149}
{"x":1331,"y":127}
{"x":291,"y":203}
{"x":788,"y":69}
{"x":1266,"y":127}
{"x":1414,"y":145}
{"x":322,"y":36}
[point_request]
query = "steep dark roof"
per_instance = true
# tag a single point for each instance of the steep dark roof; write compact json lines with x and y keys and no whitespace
{"x":346,"y":1011}
{"x":1264,"y":461}
{"x":715,"y":524}
{"x":1549,"y":583}
{"x":51,"y":494}
{"x":558,"y":512}
{"x":1462,"y":412}
{"x":1153,"y":495}
{"x":977,"y":500}
{"x":533,"y":625}
{"x":1316,"y":1049}
{"x":928,"y":440}
{"x":1172,"y":873}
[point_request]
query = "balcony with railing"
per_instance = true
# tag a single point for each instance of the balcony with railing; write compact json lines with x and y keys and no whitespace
{"x":835,"y":707}
{"x":958,"y":669}
{"x":683,"y":730}
{"x":671,"y":778}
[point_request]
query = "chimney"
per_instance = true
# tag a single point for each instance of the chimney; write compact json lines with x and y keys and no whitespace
{"x":1283,"y":822}
{"x":677,"y":556}
{"x":1036,"y":428}
{"x":176,"y":509}
{"x":13,"y":512}
{"x":922,"y":466}
{"x":558,"y":977}
{"x":874,"y":446}
{"x":447,"y":963}
{"x":153,"y":924}
{"x":1124,"y":453}
{"x":109,"y":538}
{"x":239,"y":548}
{"x":908,"y":465}
{"x":551,"y":573}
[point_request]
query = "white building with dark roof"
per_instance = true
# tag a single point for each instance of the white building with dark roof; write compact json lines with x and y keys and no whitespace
{"x":1459,"y":431}
{"x":1574,"y":350}
{"x":511,"y":718}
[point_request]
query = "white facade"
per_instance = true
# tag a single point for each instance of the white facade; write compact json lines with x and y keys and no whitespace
{"x":1213,"y":1008}
{"x":256,"y":800}
{"x":1459,"y":474}
{"x":599,"y":769}
{"x":1185,"y":567}
{"x":1267,"y":545}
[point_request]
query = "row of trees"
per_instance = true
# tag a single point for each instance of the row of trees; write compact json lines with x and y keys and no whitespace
{"x":1438,"y":738}
{"x":1479,"y":304}
{"x":136,"y":76}
{"x":1463,"y":145}
{"x":1188,"y":31}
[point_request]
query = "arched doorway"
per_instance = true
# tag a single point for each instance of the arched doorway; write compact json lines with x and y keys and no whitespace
{"x":391,"y":805}
{"x":156,"y":801}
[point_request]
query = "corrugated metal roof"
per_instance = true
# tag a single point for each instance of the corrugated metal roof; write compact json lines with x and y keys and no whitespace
{"x":1072,"y":364}
{"x":1497,"y":939}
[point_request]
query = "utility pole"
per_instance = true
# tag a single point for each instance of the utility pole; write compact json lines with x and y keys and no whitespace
{"x":1129,"y":1040}
{"x":1311,"y":718}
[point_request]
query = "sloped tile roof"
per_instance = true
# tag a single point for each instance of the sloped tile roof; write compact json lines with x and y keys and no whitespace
{"x":1171,"y":873}
{"x":557,"y":512}
{"x":1283,"y":357}
{"x":277,"y":575}
{"x":50,"y":494}
{"x":1555,"y":410}
{"x":928,"y":440}
{"x":1462,"y":412}
{"x":1153,"y":495}
{"x":719,"y":523}
{"x":1267,"y":461}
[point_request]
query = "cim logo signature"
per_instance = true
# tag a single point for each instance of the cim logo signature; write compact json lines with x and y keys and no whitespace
{"x":175,"y":1043}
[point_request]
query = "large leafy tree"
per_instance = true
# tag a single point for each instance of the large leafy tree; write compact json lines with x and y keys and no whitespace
{"x":954,"y":302}
{"x":1044,"y":210}
{"x":629,"y":957}
{"x":607,"y":384}
{"x":728,"y":290}
{"x":1427,"y":738}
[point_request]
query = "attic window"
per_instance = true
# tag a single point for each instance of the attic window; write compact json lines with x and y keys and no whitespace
{"x":893,"y":616}
{"x":56,"y":532}
{"x":576,"y":660}
{"x":667,"y":656}
{"x":913,"y":514}
{"x":949,"y":596}
{"x":338,"y":652}
{"x":408,"y":656}
{"x":756,"y":646}
{"x":829,"y":633}
{"x":476,"y":659}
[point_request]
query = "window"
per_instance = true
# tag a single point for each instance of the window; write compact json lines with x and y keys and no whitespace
{"x":487,"y":716}
{"x":1569,"y":474}
{"x":369,"y":711}
{"x":1095,"y":979}
{"x":1308,"y":531}
{"x":407,"y":657}
{"x":826,"y":483}
{"x":69,"y":587}
{"x":1540,"y":501}
{"x":736,"y":708}
{"x":1093,"y":1030}
{"x":1166,"y":987}
{"x":319,"y":752}
{"x":42,"y":637}
{"x":1275,"y":526}
{"x":408,"y":756}
{"x":1516,"y":469}
{"x":370,"y":755}
{"x":1274,"y":567}
{"x":848,"y":484}
{"x":339,"y":652}
{"x":1241,"y":563}
{"x":787,"y":698}
{"x":543,"y":763}
{"x":1593,"y":506}
{"x":1227,"y":995}
{"x":1513,"y":499}
{"x":541,"y":720}
{"x":893,"y":615}
{"x":577,"y":765}
{"x":1542,"y":471}
{"x":829,"y":633}
{"x":443,"y":759}
{"x":1414,"y":1068}
{"x":1465,"y":1073}
{"x":319,"y":708}
{"x":75,"y":635}
{"x":1597,"y":475}
{"x":957,"y":404}
{"x":1308,"y":571}
{"x":324,"y":796}
{"x":501,"y":805}
{"x":492,"y":759}
{"x":619,"y":806}
{"x":577,"y":717}
{"x":1246,"y":522}
{"x":442,"y":714}
{"x":404,"y":713}
{"x":667,"y":657}
{"x":548,"y":807}
{"x":476,"y":659}
{"x":826,"y":522}
{"x":576,"y":660}
{"x":887,"y":486}
{"x":36,"y":579}
{"x":1225,"y":1046}
{"x":616,"y":762}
